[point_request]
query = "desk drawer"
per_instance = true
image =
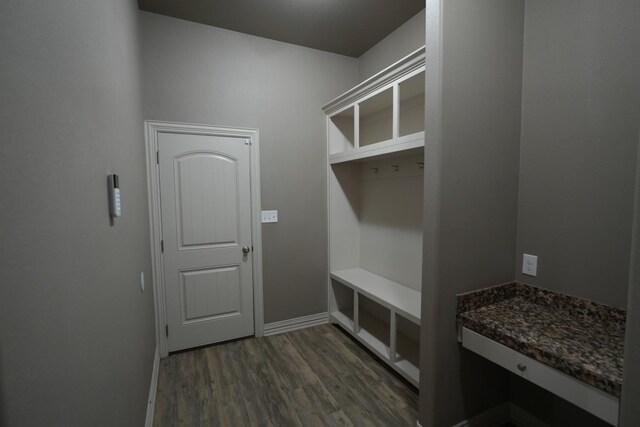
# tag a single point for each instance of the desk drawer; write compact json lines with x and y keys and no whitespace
{"x":595,"y":401}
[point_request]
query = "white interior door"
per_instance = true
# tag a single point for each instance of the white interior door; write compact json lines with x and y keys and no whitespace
{"x":205,"y":197}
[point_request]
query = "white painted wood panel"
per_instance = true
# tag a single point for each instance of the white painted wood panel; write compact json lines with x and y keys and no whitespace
{"x":411,"y":99}
{"x":341,"y":131}
{"x":205,"y":196}
{"x":411,"y":369}
{"x":393,"y":147}
{"x":207,"y":190}
{"x":376,"y":127}
{"x":376,"y":118}
{"x":344,"y":319}
{"x":402,"y":69}
{"x":344,"y":209}
{"x":210,"y":292}
{"x":154,"y":131}
{"x":403,"y":300}
{"x":388,"y":115}
{"x":375,"y":222}
{"x":374,"y":326}
{"x":583,"y":395}
{"x":341,"y":303}
{"x":412,"y":115}
{"x":375,"y":333}
{"x":407,"y":357}
{"x":391,"y":220}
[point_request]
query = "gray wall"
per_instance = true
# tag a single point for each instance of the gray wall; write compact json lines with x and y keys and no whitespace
{"x":580,"y":109}
{"x":202,"y":74}
{"x":404,"y":40}
{"x":77,"y":336}
{"x":630,"y":410}
{"x":474,"y":75}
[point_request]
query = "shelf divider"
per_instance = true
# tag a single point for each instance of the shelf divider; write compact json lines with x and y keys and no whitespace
{"x":396,"y":112}
{"x":392,"y":337}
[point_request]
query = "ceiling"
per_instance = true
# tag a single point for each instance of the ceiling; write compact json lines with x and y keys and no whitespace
{"x":347,"y":27}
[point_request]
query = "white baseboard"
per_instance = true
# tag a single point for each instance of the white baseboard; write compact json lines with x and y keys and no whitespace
{"x":153,"y":388}
{"x":500,"y":415}
{"x":297,"y":323}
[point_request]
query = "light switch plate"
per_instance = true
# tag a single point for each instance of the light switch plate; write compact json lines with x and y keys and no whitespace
{"x":269,"y":216}
{"x":529,"y":265}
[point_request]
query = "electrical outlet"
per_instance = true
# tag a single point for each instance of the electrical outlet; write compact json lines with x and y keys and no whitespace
{"x":529,"y":265}
{"x":269,"y":216}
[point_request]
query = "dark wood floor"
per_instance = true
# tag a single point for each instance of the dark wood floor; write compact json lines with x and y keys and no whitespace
{"x":311,"y":377}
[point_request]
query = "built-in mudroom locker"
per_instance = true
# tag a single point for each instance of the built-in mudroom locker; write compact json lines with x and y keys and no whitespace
{"x":375,"y":170}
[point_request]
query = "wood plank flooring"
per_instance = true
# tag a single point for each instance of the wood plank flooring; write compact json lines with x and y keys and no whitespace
{"x":311,"y":377}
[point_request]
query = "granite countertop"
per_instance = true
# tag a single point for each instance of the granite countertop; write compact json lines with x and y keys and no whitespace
{"x":581,"y":338}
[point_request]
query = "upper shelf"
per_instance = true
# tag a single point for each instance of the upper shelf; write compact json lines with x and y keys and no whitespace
{"x":386,"y":148}
{"x":381,"y":116}
{"x":394,"y":72}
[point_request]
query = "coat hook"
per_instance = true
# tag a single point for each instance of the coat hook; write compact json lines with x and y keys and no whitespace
{"x":396,"y":168}
{"x":420,"y":165}
{"x":375,"y":171}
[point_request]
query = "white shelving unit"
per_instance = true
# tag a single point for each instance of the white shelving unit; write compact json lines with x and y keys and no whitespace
{"x":375,"y":171}
{"x":404,"y":300}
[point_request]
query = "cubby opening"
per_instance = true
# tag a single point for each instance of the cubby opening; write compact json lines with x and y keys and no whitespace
{"x":341,"y":131}
{"x":376,"y":118}
{"x":343,"y":298}
{"x":390,"y":219}
{"x":408,"y":347}
{"x":376,"y":217}
{"x":373,"y":325}
{"x":411,"y":111}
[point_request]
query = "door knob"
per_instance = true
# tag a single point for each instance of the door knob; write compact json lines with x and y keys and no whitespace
{"x":245,"y":250}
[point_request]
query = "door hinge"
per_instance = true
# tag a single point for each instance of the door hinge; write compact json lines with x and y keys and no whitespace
{"x":166,"y":330}
{"x":158,"y":157}
{"x":162,"y":246}
{"x":247,"y":142}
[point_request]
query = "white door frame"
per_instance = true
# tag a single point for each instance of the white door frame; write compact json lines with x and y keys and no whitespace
{"x":152,"y":129}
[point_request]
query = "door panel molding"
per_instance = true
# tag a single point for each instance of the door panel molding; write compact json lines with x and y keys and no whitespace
{"x":251,"y":136}
{"x":194,"y":306}
{"x":194,"y":240}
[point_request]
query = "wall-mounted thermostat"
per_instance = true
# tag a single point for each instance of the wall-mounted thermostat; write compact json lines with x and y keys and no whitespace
{"x":114,"y":196}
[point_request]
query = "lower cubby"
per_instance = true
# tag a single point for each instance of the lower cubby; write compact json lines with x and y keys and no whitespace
{"x":373,"y":326}
{"x":407,"y":355}
{"x":343,"y":301}
{"x":390,"y":331}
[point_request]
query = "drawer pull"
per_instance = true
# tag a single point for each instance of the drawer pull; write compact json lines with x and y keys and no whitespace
{"x":521,"y":367}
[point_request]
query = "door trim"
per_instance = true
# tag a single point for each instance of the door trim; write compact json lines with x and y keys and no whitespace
{"x":151,"y":130}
